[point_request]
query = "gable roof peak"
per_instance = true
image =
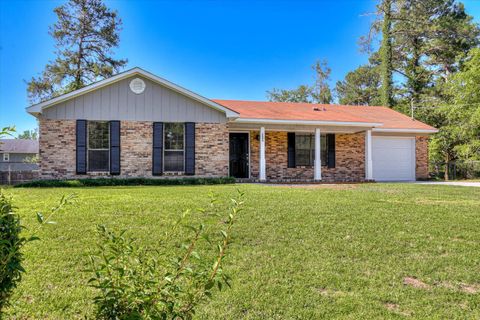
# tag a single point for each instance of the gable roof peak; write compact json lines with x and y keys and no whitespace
{"x":37,"y":109}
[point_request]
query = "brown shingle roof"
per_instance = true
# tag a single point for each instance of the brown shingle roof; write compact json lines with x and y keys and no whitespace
{"x":18,"y":146}
{"x":339,"y":113}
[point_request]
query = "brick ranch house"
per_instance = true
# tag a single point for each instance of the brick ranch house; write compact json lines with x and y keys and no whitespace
{"x":136,"y":124}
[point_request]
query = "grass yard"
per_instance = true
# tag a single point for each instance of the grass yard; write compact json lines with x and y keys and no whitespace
{"x":346,"y":252}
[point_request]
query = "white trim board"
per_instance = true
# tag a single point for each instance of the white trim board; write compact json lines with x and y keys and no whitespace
{"x":405,"y":130}
{"x":38,"y":108}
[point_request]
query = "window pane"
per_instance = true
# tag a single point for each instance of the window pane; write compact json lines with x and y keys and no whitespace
{"x":98,"y":135}
{"x":304,"y":149}
{"x":98,"y":160}
{"x":323,"y":149}
{"x":174,"y":136}
{"x":173,"y":161}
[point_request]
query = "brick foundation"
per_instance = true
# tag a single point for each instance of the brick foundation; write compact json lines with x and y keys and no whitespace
{"x":58,"y":144}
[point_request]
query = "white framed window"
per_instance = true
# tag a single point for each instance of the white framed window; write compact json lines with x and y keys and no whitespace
{"x":174,"y":147}
{"x":98,"y":146}
{"x":6,"y":157}
{"x":305,"y":149}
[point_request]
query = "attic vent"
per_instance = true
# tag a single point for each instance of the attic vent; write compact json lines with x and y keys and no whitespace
{"x":137,"y":85}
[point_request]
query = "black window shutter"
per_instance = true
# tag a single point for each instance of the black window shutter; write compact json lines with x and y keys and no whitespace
{"x":115,"y":147}
{"x":291,"y":149}
{"x":157,"y":160}
{"x":81,"y":153}
{"x":189,"y":148}
{"x":331,"y":150}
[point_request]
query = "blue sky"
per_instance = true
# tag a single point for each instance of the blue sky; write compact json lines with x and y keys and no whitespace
{"x":219,"y":49}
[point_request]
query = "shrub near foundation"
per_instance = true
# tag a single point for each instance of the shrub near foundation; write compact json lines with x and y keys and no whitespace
{"x":104,"y":182}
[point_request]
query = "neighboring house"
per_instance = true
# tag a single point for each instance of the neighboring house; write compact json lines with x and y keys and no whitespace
{"x":17,"y":154}
{"x":136,"y":124}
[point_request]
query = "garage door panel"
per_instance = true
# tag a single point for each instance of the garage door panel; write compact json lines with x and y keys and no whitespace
{"x":393,"y":158}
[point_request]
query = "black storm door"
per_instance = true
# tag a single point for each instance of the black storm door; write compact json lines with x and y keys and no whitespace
{"x":239,"y":155}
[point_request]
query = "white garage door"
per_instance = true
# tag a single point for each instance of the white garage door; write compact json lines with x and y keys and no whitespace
{"x":393,"y":158}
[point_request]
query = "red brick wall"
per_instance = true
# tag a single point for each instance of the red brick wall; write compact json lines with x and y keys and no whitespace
{"x":57,"y":153}
{"x":58,"y":144}
{"x":350,"y":159}
{"x":57,"y":148}
{"x":421,"y":155}
{"x":211,"y":149}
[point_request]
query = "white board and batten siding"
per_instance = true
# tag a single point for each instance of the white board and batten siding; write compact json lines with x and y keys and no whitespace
{"x":393,"y":158}
{"x":117,"y":101}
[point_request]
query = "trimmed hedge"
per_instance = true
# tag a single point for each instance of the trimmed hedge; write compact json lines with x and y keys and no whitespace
{"x":103,"y":182}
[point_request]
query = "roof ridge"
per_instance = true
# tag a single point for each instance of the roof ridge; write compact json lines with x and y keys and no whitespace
{"x":310,"y":103}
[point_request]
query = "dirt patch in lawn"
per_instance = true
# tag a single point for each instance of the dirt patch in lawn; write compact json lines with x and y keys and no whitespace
{"x":414,"y":282}
{"x":330,"y":292}
{"x":396,"y":309}
{"x":463,"y":287}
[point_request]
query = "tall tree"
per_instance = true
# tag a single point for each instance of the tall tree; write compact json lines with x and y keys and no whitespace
{"x":459,"y":136}
{"x":319,"y":92}
{"x":386,"y":66}
{"x":85,"y":33}
{"x":430,"y":37}
{"x":360,"y":87}
{"x":425,"y":42}
{"x":28,"y":134}
{"x":301,"y":94}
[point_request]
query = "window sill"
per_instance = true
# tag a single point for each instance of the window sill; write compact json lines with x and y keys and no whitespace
{"x":173,"y":173}
{"x":308,"y":167}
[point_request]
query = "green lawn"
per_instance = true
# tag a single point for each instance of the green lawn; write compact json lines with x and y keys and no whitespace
{"x":297,"y":253}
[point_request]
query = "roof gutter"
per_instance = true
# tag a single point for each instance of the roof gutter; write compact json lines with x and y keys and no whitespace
{"x":405,"y":130}
{"x":308,"y":122}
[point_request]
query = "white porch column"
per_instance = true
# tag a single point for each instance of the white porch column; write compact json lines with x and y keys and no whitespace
{"x":318,"y":159}
{"x":262,"y":155}
{"x":368,"y":155}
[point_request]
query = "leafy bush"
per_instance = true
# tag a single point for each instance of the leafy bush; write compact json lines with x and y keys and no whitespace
{"x":98,"y":182}
{"x":134,"y":282}
{"x":10,"y":255}
{"x":12,"y":242}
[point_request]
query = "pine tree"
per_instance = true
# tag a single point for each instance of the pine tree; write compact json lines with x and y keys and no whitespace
{"x":85,"y":34}
{"x":321,"y":92}
{"x":386,"y":66}
{"x":360,"y":87}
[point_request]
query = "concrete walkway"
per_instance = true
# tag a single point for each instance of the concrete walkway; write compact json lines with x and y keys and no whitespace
{"x":453,"y":183}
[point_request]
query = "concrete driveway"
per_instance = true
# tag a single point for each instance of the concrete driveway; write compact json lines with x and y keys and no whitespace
{"x":453,"y":183}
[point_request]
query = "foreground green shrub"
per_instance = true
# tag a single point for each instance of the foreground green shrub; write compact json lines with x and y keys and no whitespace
{"x":12,"y":241}
{"x":99,"y":182}
{"x":135,"y":282}
{"x":10,"y":254}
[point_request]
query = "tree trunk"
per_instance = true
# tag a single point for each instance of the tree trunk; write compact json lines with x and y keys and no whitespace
{"x":447,"y":160}
{"x":416,"y":81}
{"x":386,"y":55}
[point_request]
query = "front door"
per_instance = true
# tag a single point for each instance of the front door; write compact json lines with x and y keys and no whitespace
{"x":239,"y":155}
